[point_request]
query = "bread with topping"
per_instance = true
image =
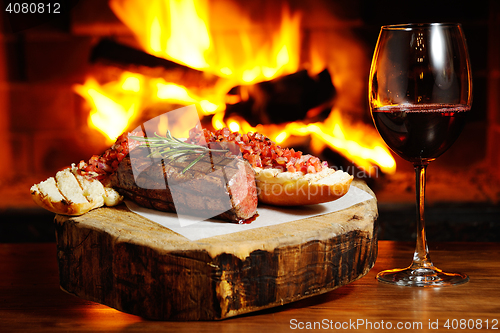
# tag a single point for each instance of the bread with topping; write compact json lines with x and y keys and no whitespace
{"x":284,"y":188}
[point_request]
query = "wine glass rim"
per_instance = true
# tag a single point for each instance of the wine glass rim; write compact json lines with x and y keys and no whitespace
{"x":416,"y":26}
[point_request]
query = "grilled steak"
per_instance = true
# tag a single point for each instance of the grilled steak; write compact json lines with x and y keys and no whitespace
{"x":216,"y":186}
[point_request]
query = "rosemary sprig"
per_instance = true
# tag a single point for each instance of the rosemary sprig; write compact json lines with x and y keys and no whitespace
{"x":170,"y":148}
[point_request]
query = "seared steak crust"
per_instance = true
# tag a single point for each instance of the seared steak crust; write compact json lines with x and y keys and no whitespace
{"x":216,"y":186}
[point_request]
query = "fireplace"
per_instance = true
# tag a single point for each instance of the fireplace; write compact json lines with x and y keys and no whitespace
{"x":47,"y":72}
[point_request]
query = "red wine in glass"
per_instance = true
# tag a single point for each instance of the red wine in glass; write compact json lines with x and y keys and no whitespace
{"x":420,"y":132}
{"x":420,"y":92}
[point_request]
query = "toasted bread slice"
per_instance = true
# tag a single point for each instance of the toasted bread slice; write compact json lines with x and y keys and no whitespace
{"x":70,"y":193}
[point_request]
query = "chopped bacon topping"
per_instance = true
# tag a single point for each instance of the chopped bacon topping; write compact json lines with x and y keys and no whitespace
{"x":260,"y":151}
{"x":101,"y":166}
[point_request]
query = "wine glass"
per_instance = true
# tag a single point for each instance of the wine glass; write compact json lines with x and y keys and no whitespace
{"x":420,"y":91}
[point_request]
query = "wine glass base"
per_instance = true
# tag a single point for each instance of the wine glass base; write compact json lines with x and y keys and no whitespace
{"x":421,"y":277}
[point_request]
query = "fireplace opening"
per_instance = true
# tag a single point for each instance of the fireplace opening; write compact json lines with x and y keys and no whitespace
{"x":296,"y":72}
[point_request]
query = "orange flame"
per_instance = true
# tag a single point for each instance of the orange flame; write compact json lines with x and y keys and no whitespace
{"x":179,"y":30}
{"x":112,"y":113}
{"x":116,"y":104}
{"x":170,"y":29}
{"x":362,"y":145}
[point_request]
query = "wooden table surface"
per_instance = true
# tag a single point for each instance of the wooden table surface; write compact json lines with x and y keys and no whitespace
{"x":31,"y":301}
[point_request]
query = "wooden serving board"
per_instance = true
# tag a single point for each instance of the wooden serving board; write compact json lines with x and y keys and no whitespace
{"x":118,"y":258}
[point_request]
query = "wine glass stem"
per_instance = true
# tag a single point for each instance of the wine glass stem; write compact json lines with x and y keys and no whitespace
{"x":421,"y":258}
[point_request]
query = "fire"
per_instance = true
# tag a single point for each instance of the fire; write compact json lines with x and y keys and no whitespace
{"x":111,"y":114}
{"x":178,"y":94}
{"x":355,"y":141}
{"x":179,"y":30}
{"x":170,"y":29}
{"x":116,"y":104}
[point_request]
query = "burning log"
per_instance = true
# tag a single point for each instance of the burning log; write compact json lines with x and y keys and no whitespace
{"x":296,"y":96}
{"x":110,"y":52}
{"x":292,"y":97}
